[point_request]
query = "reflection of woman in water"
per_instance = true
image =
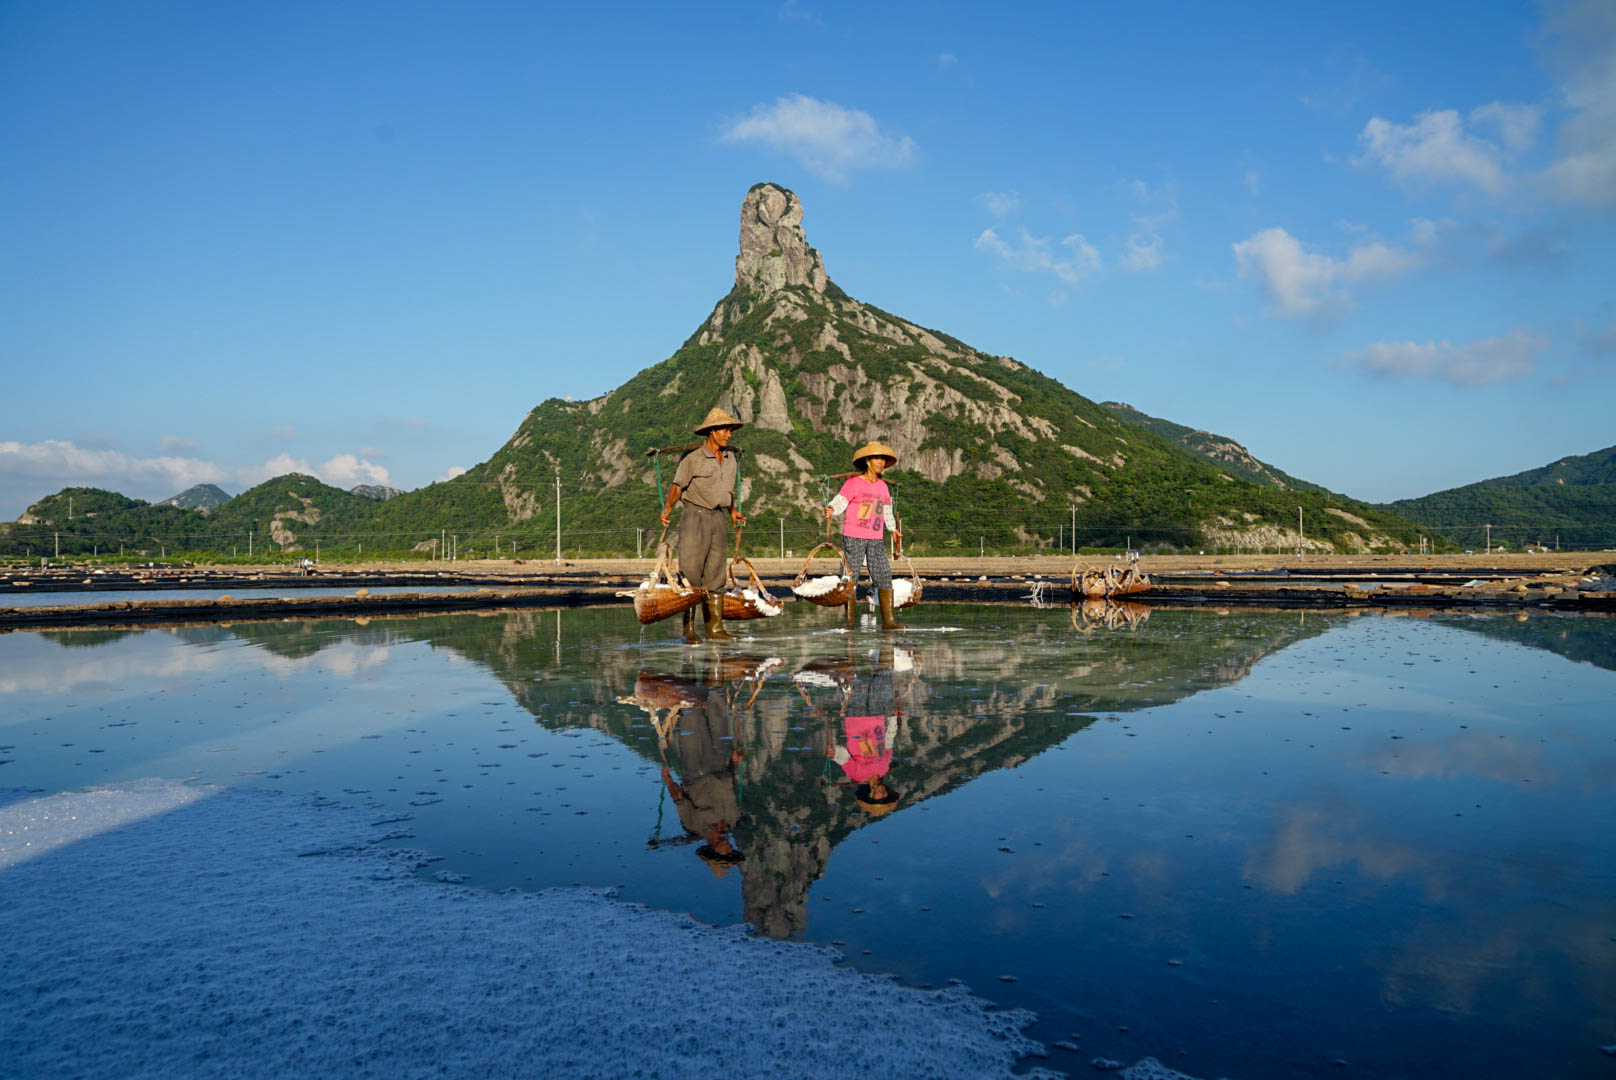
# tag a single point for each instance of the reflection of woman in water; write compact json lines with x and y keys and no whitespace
{"x":706,"y":799}
{"x":869,"y":729}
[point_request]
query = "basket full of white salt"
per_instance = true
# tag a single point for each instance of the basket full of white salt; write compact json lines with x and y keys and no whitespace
{"x":750,"y":600}
{"x":829,"y":590}
{"x":904,"y":592}
{"x":664,"y":592}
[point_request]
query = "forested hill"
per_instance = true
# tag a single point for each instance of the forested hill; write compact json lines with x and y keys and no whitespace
{"x":1572,"y":500}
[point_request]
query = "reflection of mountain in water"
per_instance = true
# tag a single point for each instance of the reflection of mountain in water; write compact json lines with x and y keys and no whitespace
{"x":1012,"y":684}
{"x":1585,"y":639}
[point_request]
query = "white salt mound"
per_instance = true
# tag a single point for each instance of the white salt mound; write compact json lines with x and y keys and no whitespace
{"x":173,"y":929}
{"x":818,"y":586}
{"x":761,"y":602}
{"x":814,"y":678}
{"x":902,"y":592}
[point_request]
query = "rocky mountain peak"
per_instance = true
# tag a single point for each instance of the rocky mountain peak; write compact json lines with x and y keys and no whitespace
{"x":774,"y":249}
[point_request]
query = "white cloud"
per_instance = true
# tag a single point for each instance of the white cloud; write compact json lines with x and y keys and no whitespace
{"x":1516,"y":125}
{"x":789,"y":12}
{"x":1143,"y":252}
{"x":176,"y":442}
{"x":452,"y":472}
{"x":946,"y":61}
{"x":1253,"y":180}
{"x":1434,"y":149}
{"x":1301,"y":282}
{"x":343,"y":470}
{"x":56,"y":463}
{"x":64,"y":462}
{"x":1584,"y":54}
{"x":1036,"y":254}
{"x":824,"y":137}
{"x":1479,"y":363}
{"x":1000,"y":203}
{"x":283,"y":431}
{"x":1145,"y":249}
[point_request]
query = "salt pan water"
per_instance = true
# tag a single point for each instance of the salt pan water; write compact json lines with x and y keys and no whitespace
{"x":1249,"y":844}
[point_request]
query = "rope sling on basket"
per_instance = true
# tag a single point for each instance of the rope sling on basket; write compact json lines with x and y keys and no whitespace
{"x":748,"y":600}
{"x":904,"y":592}
{"x":664,"y":592}
{"x":830,"y":590}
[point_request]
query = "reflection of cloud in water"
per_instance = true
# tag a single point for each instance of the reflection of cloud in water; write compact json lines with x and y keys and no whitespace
{"x":1472,"y":753}
{"x":1449,"y":965}
{"x":162,"y":658}
{"x":1075,"y":868}
{"x":1311,"y":839}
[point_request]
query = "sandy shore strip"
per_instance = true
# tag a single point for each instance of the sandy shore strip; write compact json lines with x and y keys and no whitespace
{"x":157,"y":928}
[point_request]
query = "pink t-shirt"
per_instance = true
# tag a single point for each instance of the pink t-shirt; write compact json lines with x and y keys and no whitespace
{"x":868,"y":753}
{"x":865,"y":498}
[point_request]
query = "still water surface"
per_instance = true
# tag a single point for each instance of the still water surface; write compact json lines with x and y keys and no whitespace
{"x":1249,"y":844}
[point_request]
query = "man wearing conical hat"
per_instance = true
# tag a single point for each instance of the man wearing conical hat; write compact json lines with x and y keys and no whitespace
{"x":865,"y":503}
{"x":705,"y":484}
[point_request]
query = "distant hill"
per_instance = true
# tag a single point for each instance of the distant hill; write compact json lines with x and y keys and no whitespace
{"x":198,"y":497}
{"x":1222,"y":451}
{"x":375,"y":491}
{"x":1573,"y":499}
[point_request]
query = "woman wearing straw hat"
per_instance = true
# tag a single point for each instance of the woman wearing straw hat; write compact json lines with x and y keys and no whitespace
{"x":705,"y":483}
{"x":865,"y":504}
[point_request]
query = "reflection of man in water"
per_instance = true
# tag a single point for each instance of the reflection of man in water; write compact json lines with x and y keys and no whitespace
{"x":869,"y":727}
{"x":705,"y":799}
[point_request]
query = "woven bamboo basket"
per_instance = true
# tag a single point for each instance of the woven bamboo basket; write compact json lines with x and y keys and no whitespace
{"x":836,"y":597}
{"x":899,"y":599}
{"x":663,"y":593}
{"x":760,"y":605}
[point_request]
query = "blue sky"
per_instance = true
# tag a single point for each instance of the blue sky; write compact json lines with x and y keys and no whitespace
{"x":1374,"y":242}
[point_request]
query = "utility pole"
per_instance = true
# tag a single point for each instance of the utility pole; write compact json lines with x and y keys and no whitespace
{"x":1489,"y":539}
{"x":58,"y":537}
{"x":317,"y":551}
{"x":249,"y":544}
{"x":782,"y":538}
{"x":558,"y":521}
{"x":1301,"y":536}
{"x":1073,"y":509}
{"x":639,"y":541}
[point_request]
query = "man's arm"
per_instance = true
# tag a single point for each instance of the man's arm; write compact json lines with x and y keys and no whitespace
{"x":675,"y":493}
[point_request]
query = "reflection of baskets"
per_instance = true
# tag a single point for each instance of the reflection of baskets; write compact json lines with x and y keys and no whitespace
{"x":748,"y":601}
{"x":662,"y":593}
{"x":655,"y":690}
{"x":820,"y":591}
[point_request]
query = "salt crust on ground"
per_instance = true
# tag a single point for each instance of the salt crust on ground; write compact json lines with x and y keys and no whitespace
{"x":157,"y":929}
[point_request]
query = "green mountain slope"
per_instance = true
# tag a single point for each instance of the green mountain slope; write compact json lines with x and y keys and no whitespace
{"x":1219,"y":450}
{"x":1572,"y":500}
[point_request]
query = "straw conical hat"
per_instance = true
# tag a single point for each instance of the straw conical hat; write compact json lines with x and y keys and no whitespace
{"x":717,"y":417}
{"x":874,"y":449}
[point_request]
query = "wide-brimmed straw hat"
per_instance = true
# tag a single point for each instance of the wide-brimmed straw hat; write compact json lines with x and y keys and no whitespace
{"x":717,"y":417}
{"x":874,"y":449}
